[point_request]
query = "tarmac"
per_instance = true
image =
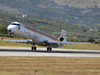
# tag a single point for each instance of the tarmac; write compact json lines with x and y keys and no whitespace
{"x":42,"y":52}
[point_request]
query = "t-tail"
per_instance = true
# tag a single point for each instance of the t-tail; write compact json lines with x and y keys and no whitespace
{"x":62,"y":36}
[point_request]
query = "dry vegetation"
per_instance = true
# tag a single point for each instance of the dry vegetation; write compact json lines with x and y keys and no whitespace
{"x":80,"y":3}
{"x":49,"y":66}
{"x":71,"y":46}
{"x":76,"y":46}
{"x":83,"y":46}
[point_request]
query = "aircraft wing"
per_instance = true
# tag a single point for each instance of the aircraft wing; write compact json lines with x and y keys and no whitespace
{"x":20,"y":41}
{"x":68,"y":43}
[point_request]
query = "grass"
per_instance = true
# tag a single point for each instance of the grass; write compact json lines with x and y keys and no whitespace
{"x":83,"y":46}
{"x":49,"y":66}
{"x":76,"y":46}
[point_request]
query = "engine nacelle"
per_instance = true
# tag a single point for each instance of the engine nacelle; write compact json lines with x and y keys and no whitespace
{"x":61,"y":39}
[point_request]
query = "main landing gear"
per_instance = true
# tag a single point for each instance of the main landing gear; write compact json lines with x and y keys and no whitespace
{"x":49,"y":48}
{"x":33,"y":48}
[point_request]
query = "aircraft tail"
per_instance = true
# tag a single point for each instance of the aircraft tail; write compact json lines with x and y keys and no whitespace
{"x":62,"y":36}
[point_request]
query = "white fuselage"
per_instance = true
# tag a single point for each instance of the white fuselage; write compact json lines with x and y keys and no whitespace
{"x":37,"y":36}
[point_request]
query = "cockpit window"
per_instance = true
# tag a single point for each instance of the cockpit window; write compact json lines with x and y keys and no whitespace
{"x":15,"y":24}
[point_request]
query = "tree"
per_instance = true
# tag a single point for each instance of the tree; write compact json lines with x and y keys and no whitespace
{"x":3,"y":30}
{"x":91,"y":40}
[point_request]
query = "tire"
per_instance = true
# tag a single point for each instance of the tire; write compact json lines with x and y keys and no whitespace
{"x":50,"y":49}
{"x":32,"y":48}
{"x":35,"y":48}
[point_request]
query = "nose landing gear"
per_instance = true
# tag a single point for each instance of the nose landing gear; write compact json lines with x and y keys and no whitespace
{"x":11,"y":35}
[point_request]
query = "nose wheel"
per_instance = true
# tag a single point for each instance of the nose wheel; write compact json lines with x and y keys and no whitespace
{"x":33,"y":48}
{"x":11,"y":35}
{"x":49,"y":48}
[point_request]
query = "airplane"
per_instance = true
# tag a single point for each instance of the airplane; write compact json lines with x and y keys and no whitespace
{"x":37,"y":37}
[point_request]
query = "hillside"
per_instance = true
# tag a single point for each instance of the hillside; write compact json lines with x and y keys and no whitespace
{"x":79,"y":3}
{"x":48,"y":25}
{"x":56,"y":9}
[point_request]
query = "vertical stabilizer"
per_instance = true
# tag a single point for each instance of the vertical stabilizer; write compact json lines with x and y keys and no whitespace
{"x":62,"y":36}
{"x":63,"y":33}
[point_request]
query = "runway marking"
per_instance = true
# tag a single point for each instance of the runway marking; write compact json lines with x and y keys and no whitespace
{"x":42,"y":52}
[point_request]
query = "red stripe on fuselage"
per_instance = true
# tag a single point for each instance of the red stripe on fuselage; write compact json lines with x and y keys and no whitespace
{"x":39,"y":32}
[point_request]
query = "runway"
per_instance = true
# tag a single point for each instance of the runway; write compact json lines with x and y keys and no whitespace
{"x":42,"y":52}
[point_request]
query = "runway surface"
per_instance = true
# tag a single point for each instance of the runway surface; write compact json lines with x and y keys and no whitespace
{"x":19,"y":51}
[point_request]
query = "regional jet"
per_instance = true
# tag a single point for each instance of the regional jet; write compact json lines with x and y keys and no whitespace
{"x":37,"y":37}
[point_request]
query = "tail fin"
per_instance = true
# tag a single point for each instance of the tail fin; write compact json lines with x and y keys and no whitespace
{"x":63,"y":33}
{"x":62,"y":36}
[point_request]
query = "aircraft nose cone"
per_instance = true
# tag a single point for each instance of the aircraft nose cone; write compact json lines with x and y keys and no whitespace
{"x":10,"y":28}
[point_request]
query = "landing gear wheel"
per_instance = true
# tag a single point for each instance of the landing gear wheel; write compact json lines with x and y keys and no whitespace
{"x":49,"y":49}
{"x":33,"y":48}
{"x":11,"y":35}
